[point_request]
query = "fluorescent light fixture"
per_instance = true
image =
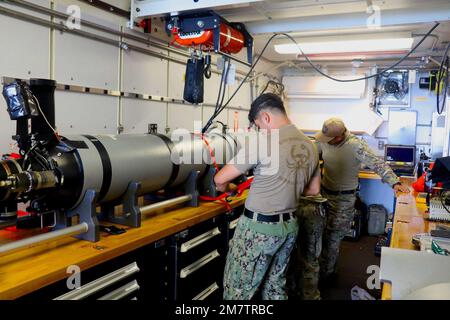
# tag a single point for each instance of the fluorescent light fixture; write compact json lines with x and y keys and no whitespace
{"x":346,"y":46}
{"x":322,"y":96}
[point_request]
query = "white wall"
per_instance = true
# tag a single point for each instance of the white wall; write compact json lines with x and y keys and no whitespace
{"x":34,"y":51}
{"x":21,"y":57}
{"x":310,"y":113}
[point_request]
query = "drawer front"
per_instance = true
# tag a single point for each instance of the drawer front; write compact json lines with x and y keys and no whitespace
{"x":199,"y":229}
{"x":98,"y":285}
{"x":109,"y":274}
{"x":198,"y":256}
{"x":198,"y":240}
{"x":158,"y":275}
{"x":199,"y":247}
{"x":153,"y":262}
{"x":194,"y":279}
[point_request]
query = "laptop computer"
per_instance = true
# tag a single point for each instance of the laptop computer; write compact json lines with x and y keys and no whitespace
{"x":401,"y":158}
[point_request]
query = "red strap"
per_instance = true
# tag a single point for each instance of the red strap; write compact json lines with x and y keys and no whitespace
{"x":244,"y":186}
{"x":223,"y":197}
{"x":211,"y":151}
{"x":14,"y":155}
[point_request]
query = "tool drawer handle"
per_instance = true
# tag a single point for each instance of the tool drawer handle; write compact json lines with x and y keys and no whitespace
{"x":100,"y":283}
{"x":207,"y":292}
{"x":122,"y":291}
{"x":198,"y":264}
{"x":188,"y":245}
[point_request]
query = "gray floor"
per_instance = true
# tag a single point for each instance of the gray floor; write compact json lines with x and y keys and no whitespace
{"x":354,"y":259}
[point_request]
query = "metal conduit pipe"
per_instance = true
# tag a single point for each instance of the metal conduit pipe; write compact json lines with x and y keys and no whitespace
{"x":81,"y":228}
{"x":146,"y":41}
{"x":436,"y":39}
{"x":45,"y":23}
{"x":57,"y":14}
{"x":42,"y":238}
{"x":165,"y":204}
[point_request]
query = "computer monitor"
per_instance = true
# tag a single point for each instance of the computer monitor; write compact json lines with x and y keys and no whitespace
{"x":441,"y":171}
{"x":400,"y":155}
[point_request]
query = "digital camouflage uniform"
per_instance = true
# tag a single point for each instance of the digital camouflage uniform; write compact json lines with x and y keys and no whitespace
{"x":341,"y":167}
{"x":259,"y":251}
{"x":258,"y":259}
{"x":303,"y":273}
{"x":339,"y":218}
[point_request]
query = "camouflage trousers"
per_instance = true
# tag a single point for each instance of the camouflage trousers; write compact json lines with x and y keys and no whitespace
{"x":303,"y":274}
{"x":340,"y":213}
{"x":258,"y":258}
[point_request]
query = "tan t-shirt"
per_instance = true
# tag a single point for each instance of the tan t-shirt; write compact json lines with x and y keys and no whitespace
{"x":279,"y":191}
{"x":342,"y":164}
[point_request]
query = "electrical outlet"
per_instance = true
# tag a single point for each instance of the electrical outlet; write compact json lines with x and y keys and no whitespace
{"x":380,"y":144}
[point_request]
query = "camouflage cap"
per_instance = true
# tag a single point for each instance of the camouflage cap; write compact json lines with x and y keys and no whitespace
{"x":333,"y":127}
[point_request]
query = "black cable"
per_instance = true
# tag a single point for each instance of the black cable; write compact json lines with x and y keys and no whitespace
{"x":316,"y":68}
{"x":242,"y":82}
{"x":249,"y":71}
{"x":45,"y":163}
{"x":440,"y":109}
{"x":225,"y":83}
{"x":221,"y":96}
{"x":267,"y":86}
{"x":41,"y":161}
{"x":27,"y":154}
{"x":220,"y":87}
{"x":326,"y":75}
{"x":366,"y":77}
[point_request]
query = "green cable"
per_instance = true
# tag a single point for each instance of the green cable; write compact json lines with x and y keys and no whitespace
{"x":438,"y":250}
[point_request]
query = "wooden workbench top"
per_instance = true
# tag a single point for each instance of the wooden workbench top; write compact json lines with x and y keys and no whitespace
{"x":25,"y":271}
{"x":409,"y":219}
{"x":368,"y":175}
